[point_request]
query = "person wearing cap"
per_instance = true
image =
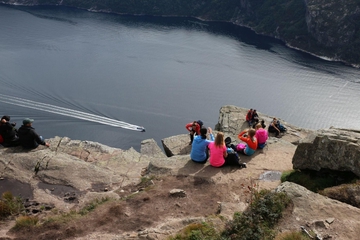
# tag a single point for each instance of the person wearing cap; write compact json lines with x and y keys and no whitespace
{"x":28,"y":137}
{"x":8,"y":132}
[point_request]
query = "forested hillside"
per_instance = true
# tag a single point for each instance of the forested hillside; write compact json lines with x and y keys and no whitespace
{"x":327,"y":28}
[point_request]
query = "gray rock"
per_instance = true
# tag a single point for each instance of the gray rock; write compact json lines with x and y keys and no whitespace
{"x":177,"y":193}
{"x":330,"y":220}
{"x":177,"y":145}
{"x":150,"y":148}
{"x":335,"y":149}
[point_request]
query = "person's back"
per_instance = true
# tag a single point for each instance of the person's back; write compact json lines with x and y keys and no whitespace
{"x":261,"y":136}
{"x":250,"y":140}
{"x":199,"y":146}
{"x":216,"y":155}
{"x":28,"y":137}
{"x":8,"y":132}
{"x":217,"y":151}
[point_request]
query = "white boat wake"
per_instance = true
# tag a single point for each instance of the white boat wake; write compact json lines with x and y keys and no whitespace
{"x":68,"y":112}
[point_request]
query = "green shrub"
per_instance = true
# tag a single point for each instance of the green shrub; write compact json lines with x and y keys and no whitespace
{"x":5,"y":210}
{"x":10,"y":205}
{"x":257,"y":222}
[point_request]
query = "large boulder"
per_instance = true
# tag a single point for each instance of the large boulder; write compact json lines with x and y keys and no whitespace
{"x":335,"y":149}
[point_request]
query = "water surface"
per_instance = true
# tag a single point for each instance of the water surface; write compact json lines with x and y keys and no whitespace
{"x":160,"y":73}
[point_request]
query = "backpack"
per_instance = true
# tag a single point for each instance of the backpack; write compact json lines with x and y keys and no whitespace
{"x":200,"y":123}
{"x":240,"y":147}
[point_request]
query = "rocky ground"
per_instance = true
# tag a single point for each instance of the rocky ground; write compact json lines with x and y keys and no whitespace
{"x":154,"y":196}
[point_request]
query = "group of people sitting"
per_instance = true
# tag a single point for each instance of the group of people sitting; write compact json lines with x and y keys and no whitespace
{"x":24,"y":136}
{"x":220,"y":151}
{"x":201,"y":148}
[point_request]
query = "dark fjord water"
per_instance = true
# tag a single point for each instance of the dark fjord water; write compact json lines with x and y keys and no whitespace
{"x":160,"y":73}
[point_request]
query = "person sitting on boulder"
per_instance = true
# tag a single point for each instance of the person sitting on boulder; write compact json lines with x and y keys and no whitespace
{"x":254,"y":116}
{"x":276,"y":127}
{"x":248,"y":136}
{"x":232,"y":156}
{"x":263,"y":125}
{"x":261,"y":135}
{"x":219,"y":153}
{"x":193,"y":128}
{"x":199,"y":149}
{"x":249,"y":117}
{"x":28,"y":137}
{"x":262,"y":122}
{"x":8,"y":132}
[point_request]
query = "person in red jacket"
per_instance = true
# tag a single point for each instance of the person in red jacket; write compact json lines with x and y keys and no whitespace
{"x":249,"y":117}
{"x":193,"y":128}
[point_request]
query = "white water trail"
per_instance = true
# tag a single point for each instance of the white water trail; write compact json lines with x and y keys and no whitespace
{"x":68,"y":112}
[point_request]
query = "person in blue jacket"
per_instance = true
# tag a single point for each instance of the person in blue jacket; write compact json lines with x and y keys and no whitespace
{"x":199,"y":149}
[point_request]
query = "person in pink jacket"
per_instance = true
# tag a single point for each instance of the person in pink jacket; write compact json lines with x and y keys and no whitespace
{"x":219,"y":153}
{"x":261,"y":135}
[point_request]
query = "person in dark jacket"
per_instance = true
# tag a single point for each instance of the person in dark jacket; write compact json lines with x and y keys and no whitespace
{"x":28,"y":137}
{"x":8,"y":132}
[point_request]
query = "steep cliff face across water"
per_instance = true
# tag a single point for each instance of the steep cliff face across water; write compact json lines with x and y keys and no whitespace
{"x":328,"y":28}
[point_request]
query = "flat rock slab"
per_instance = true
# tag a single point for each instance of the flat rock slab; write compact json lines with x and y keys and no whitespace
{"x":276,"y":156}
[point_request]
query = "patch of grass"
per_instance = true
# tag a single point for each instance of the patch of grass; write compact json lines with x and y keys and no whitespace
{"x":145,"y":182}
{"x":318,"y":180}
{"x":198,"y":231}
{"x":92,"y":205}
{"x":10,"y":205}
{"x":257,"y":222}
{"x":292,"y":236}
{"x":25,"y":222}
{"x":62,"y":218}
